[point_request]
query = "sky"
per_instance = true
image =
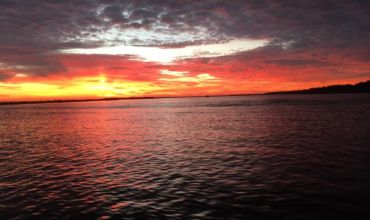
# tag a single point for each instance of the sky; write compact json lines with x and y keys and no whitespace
{"x":51,"y":49}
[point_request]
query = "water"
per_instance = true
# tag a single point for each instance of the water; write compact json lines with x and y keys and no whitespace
{"x":247,"y":157}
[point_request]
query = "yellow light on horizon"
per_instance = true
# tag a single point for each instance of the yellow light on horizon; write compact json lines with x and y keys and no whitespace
{"x":82,"y":87}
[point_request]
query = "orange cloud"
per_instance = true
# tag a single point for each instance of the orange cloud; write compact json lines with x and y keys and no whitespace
{"x":256,"y":71}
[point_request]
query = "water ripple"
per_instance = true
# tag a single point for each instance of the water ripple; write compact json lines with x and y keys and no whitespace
{"x":253,"y":157}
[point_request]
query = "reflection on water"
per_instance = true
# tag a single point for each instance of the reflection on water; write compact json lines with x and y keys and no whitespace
{"x":251,"y":157}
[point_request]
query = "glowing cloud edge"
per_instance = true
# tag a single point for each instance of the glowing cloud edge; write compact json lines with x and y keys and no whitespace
{"x":169,"y":55}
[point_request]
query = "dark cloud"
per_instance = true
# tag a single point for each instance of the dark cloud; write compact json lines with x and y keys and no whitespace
{"x":117,"y":68}
{"x":31,"y":30}
{"x":326,"y":22}
{"x":363,"y":56}
{"x":299,"y":62}
{"x":33,"y":62}
{"x":5,"y":76}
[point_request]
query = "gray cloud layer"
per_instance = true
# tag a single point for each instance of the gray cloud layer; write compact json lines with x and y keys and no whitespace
{"x":32,"y":29}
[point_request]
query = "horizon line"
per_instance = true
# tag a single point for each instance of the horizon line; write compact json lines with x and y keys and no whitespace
{"x":116,"y":99}
{"x":185,"y":96}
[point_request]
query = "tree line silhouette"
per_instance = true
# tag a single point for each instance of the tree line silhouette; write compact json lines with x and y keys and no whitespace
{"x":362,"y":87}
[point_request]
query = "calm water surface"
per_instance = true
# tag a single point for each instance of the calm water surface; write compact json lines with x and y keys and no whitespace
{"x":251,"y":157}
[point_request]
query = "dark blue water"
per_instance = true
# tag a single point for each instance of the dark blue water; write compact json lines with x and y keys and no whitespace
{"x":247,"y":157}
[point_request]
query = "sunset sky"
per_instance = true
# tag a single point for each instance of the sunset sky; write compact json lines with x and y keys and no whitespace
{"x":51,"y":49}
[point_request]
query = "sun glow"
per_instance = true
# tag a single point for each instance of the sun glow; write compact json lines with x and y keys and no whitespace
{"x":82,"y":87}
{"x":103,"y":88}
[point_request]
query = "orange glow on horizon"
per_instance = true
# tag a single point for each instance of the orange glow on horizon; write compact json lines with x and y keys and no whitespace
{"x":103,"y":76}
{"x":102,"y":87}
{"x":78,"y":88}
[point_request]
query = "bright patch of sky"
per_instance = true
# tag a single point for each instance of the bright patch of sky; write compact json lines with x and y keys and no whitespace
{"x":181,"y":76}
{"x":174,"y":73}
{"x":168,"y":55}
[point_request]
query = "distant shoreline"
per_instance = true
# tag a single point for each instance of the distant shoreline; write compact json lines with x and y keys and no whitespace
{"x":111,"y":99}
{"x":74,"y":100}
{"x":362,"y":87}
{"x":164,"y":97}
